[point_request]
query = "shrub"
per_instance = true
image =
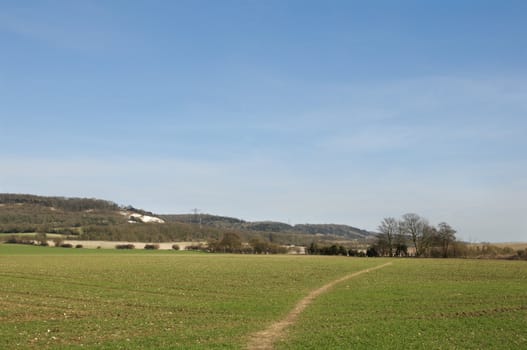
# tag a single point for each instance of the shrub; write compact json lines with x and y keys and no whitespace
{"x":371,"y":252}
{"x":58,"y":241}
{"x":125,"y":246}
{"x":353,"y":252}
{"x":41,"y":238}
{"x":175,"y":247}
{"x":78,"y":246}
{"x":19,"y":240}
{"x":11,"y":239}
{"x":66,"y":245}
{"x":152,"y":246}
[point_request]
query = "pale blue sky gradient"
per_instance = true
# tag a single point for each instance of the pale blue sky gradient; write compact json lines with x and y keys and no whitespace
{"x":301,"y":111}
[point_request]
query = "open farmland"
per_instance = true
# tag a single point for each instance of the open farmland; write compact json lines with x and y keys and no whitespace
{"x":421,"y":304}
{"x":78,"y":298}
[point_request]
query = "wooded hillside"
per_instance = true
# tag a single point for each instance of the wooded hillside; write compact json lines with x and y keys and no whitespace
{"x":343,"y":231}
{"x":96,"y":219}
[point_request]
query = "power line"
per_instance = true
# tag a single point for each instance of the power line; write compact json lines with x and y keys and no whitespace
{"x":197,"y":214}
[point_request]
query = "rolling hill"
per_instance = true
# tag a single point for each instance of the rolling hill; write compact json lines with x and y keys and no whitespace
{"x":344,"y":231}
{"x":96,"y":219}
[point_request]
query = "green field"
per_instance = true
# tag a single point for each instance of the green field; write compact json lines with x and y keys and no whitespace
{"x":60,"y":298}
{"x":421,"y":304}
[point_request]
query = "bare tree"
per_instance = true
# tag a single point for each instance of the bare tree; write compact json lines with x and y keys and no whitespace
{"x":230,"y":243}
{"x":415,"y":226}
{"x":446,"y":235}
{"x":389,"y":229}
{"x":429,"y":240}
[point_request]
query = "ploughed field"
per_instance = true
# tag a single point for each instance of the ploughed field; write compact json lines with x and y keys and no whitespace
{"x":57,"y":298}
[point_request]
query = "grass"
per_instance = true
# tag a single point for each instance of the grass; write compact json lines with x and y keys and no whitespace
{"x":421,"y":304}
{"x":18,"y":249}
{"x":57,"y":298}
{"x":109,"y":299}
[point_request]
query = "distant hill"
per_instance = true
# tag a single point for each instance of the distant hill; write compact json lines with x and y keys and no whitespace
{"x":96,"y":219}
{"x":20,"y":213}
{"x":333,"y":229}
{"x":344,"y":231}
{"x":63,"y":203}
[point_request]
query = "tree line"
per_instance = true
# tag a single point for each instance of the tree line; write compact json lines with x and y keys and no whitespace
{"x":231,"y":242}
{"x":413,"y":232}
{"x":63,"y":203}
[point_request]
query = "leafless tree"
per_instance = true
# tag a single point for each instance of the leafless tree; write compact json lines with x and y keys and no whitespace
{"x":446,"y":235}
{"x":389,"y":229}
{"x":415,"y":227}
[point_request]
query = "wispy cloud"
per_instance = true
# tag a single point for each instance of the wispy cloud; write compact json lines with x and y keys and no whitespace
{"x":373,"y":139}
{"x":66,"y":27}
{"x":258,"y":189}
{"x":421,"y":114}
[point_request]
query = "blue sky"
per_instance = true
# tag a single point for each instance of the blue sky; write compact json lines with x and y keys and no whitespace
{"x":300,"y":111}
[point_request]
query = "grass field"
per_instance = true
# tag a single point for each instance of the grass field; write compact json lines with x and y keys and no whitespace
{"x":421,"y":304}
{"x":56,"y":298}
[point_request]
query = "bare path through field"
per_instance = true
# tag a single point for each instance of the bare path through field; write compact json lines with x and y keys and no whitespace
{"x":264,"y":340}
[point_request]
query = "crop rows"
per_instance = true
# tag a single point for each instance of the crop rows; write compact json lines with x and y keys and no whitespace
{"x":158,"y":300}
{"x":54,"y":298}
{"x":421,"y":304}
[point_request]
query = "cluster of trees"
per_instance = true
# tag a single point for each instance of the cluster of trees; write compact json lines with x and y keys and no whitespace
{"x":334,"y":249}
{"x":487,"y":251}
{"x":63,"y":203}
{"x":412,"y":230}
{"x":31,"y":217}
{"x":232,"y":243}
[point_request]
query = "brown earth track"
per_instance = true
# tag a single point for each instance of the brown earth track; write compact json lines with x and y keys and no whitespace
{"x":265,"y":339}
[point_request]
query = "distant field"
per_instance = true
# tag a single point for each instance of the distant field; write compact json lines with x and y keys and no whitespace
{"x":53,"y":298}
{"x":512,"y":245}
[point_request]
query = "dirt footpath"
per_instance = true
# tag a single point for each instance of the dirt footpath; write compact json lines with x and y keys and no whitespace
{"x":264,"y":340}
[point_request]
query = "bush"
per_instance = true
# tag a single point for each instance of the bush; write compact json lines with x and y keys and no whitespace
{"x":152,"y":246}
{"x":175,"y":247}
{"x":125,"y":246}
{"x":41,"y":238}
{"x":371,"y":252}
{"x":11,"y":239}
{"x":66,"y":245}
{"x":353,"y":252}
{"x":19,"y":240}
{"x":78,"y":246}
